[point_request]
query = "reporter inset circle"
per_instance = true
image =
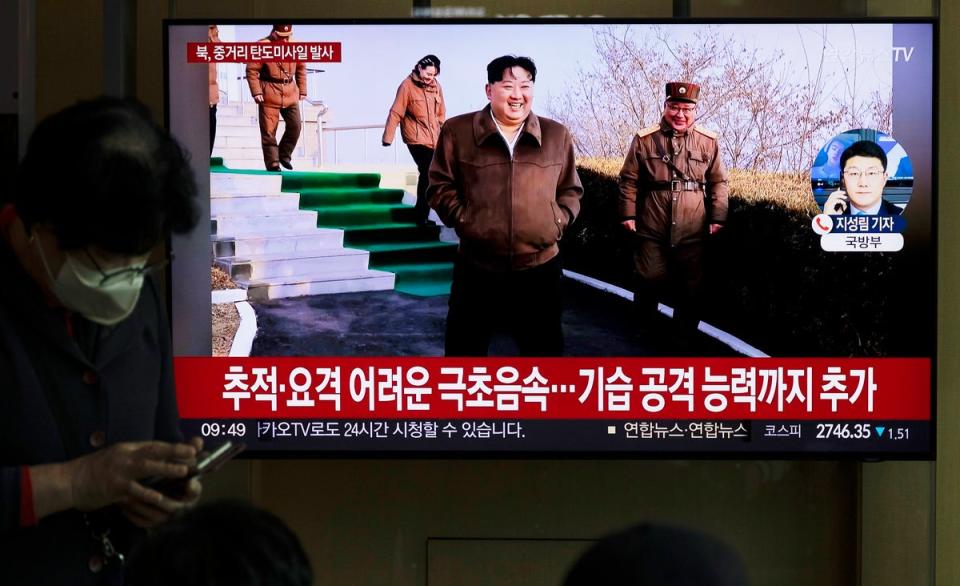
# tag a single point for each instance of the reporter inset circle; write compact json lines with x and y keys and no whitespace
{"x":862,"y":172}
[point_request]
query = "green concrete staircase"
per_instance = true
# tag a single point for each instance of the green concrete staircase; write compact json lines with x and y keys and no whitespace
{"x":376,"y":220}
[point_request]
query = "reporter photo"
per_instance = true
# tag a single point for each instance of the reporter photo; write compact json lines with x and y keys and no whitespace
{"x":863,"y":169}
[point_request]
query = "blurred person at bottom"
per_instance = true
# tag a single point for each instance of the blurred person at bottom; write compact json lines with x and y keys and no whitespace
{"x":86,"y":380}
{"x":419,"y":111}
{"x":656,"y":555}
{"x":219,"y":544}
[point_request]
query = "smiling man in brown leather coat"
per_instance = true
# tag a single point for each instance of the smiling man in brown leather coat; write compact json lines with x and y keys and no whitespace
{"x":673,"y":195}
{"x":506,"y":180}
{"x":278,"y":88}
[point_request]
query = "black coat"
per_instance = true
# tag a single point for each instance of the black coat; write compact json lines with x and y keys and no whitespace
{"x":59,"y":395}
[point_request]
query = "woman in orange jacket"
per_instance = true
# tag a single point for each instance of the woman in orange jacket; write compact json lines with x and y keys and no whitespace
{"x":419,"y":110}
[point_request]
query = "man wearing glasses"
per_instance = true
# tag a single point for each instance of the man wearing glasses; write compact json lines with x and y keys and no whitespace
{"x":864,"y":166}
{"x":86,"y":381}
{"x":673,"y":195}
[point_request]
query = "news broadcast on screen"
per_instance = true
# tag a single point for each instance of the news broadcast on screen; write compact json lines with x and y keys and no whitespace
{"x":558,"y":238}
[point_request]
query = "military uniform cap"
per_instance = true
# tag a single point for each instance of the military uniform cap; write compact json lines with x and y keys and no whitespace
{"x":683,"y":92}
{"x":283,"y":30}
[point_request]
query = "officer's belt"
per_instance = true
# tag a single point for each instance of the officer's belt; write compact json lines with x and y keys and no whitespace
{"x":272,"y":80}
{"x":675,"y":185}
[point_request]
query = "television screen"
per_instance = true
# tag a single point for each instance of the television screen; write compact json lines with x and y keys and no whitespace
{"x":626,"y":238}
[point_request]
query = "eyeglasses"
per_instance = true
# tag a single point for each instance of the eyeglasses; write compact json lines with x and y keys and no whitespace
{"x":869,"y":174}
{"x":688,"y":111}
{"x":128,"y":273}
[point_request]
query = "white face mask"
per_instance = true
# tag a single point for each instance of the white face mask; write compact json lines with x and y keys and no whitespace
{"x":81,"y":289}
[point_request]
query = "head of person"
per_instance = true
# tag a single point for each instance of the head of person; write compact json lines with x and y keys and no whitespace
{"x":427,"y":69}
{"x":864,"y":169}
{"x":509,"y":88}
{"x":219,"y":544}
{"x":99,"y":188}
{"x":833,"y":152}
{"x":654,"y":555}
{"x":281,"y":32}
{"x":213,"y":34}
{"x":680,"y":107}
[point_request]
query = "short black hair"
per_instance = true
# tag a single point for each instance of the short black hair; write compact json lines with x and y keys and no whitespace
{"x":220,"y":543}
{"x":427,"y":61}
{"x":102,"y":173}
{"x":863,"y":148}
{"x":653,"y":555}
{"x":496,"y":67}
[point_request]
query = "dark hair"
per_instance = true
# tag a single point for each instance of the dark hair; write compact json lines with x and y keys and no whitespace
{"x":218,"y":544}
{"x":496,"y":67}
{"x":427,"y":61}
{"x":102,"y":173}
{"x":863,"y":148}
{"x":653,"y":555}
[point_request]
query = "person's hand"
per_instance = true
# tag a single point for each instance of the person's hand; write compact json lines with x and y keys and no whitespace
{"x":258,"y":98}
{"x":714,"y":228}
{"x":385,"y":143}
{"x":837,"y":203}
{"x":630,"y":225}
{"x":113,"y":474}
{"x":149,"y":514}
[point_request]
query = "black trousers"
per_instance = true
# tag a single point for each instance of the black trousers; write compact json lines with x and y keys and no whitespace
{"x":525,"y":304}
{"x":213,"y":126}
{"x":422,"y":156}
{"x":668,"y":272}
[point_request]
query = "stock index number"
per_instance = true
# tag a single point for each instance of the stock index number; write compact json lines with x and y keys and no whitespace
{"x":844,"y":430}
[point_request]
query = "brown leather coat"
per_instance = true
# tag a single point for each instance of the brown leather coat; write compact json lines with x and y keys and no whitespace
{"x":673,"y":217}
{"x":281,"y":84}
{"x":419,"y":110}
{"x":508,"y":212}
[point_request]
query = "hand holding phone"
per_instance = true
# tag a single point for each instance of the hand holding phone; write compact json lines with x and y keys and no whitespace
{"x":837,"y":203}
{"x":207,"y":462}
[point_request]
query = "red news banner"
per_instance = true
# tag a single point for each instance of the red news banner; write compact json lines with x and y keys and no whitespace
{"x":554,"y":388}
{"x":314,"y":52}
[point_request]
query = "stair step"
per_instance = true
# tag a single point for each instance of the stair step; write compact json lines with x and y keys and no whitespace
{"x":411,"y":252}
{"x":249,"y":204}
{"x":299,"y":285}
{"x":332,"y":197}
{"x":358,"y":215}
{"x":240,"y":183}
{"x":393,"y":232}
{"x":298,"y":222}
{"x":265,"y":266}
{"x":310,"y":241}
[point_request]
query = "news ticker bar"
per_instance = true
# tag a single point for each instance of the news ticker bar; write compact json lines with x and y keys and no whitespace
{"x":801,"y":389}
{"x":566,"y":436}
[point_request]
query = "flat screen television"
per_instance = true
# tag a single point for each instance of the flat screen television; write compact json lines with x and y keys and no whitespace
{"x":818,"y":315}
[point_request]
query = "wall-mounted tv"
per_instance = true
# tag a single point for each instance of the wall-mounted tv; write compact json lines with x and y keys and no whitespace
{"x":674,"y":238}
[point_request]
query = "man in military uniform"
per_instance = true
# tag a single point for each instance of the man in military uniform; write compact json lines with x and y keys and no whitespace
{"x":278,"y":88}
{"x":673,"y":194}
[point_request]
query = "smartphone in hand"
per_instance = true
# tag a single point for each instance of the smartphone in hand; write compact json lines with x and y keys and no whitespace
{"x":208,"y":462}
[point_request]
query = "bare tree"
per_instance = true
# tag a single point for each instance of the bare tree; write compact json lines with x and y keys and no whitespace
{"x":773,"y":114}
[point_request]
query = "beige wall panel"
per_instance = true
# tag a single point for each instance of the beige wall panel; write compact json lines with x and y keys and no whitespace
{"x":609,"y":8}
{"x":514,"y":562}
{"x":314,"y":9}
{"x":367,"y":522}
{"x":948,"y":374}
{"x":69,"y":53}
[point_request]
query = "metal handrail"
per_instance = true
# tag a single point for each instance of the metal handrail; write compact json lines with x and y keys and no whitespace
{"x":361,"y":127}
